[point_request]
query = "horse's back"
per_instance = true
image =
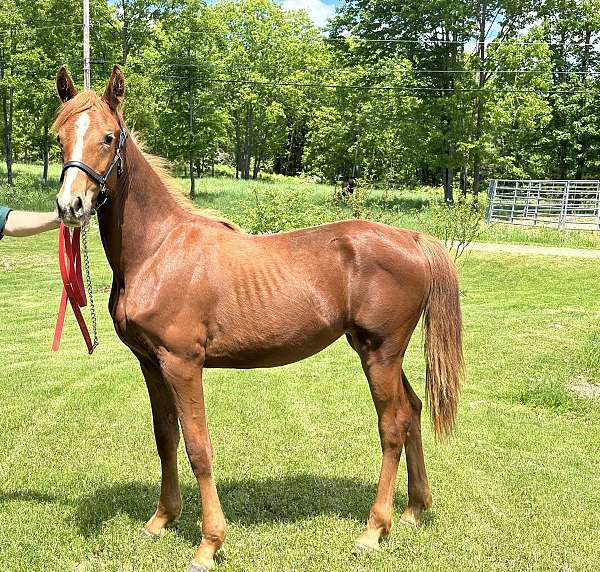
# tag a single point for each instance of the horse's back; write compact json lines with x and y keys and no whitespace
{"x":291,"y":294}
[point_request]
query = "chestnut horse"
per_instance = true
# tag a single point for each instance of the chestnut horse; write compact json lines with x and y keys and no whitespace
{"x":192,"y":291}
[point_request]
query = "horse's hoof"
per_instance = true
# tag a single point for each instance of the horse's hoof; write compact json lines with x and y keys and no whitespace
{"x":362,"y":548}
{"x":145,"y":534}
{"x":411,"y":518}
{"x":195,"y":567}
{"x":409,"y":523}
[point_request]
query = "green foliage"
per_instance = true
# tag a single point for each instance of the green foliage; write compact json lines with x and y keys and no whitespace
{"x":277,"y":209}
{"x":27,"y":193}
{"x":457,"y":224}
{"x":249,"y":85}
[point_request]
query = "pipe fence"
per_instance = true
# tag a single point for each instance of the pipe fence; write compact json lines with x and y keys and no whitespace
{"x":569,"y":204}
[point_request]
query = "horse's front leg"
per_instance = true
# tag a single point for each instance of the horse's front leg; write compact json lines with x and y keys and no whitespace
{"x":185,"y":377}
{"x":166,"y":432}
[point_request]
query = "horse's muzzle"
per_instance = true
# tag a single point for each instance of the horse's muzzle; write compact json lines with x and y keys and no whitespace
{"x":73,"y":213}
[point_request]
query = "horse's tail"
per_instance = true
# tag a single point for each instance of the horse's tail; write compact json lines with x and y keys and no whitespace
{"x":442,"y":333}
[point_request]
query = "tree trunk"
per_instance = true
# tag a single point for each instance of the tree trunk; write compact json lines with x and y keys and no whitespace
{"x":125,"y":36}
{"x":45,"y":174}
{"x":355,"y":162}
{"x":7,"y":108}
{"x":586,"y":52}
{"x":463,"y":181}
{"x":238,"y":146}
{"x":7,"y":115}
{"x":260,"y":143}
{"x":248,"y":143}
{"x":212,"y":163}
{"x":256,"y":170}
{"x":448,"y":176}
{"x":479,"y":100}
{"x":191,"y":158}
{"x":447,"y":83}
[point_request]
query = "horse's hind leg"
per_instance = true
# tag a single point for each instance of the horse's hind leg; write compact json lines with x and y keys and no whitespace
{"x":166,"y":432}
{"x":394,"y":418}
{"x":419,"y":494}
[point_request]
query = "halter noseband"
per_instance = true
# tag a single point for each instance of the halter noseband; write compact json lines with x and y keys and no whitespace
{"x":97,"y":177}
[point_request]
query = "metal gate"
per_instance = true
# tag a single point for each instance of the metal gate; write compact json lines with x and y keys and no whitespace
{"x":561,"y":204}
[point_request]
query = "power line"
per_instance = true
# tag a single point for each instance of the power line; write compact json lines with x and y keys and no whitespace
{"x":347,"y":87}
{"x":47,"y":27}
{"x":407,"y":71}
{"x":470,"y":40}
{"x":418,"y":70}
{"x":366,"y":87}
{"x":78,"y":62}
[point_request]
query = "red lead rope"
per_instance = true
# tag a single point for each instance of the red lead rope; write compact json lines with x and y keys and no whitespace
{"x":69,"y":261}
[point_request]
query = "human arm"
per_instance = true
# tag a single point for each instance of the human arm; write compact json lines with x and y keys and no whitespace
{"x":21,"y":223}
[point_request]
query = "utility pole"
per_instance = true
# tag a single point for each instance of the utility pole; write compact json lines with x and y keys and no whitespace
{"x":87,"y":83}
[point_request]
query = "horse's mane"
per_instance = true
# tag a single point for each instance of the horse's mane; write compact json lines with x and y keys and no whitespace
{"x":161,"y":167}
{"x":89,"y":99}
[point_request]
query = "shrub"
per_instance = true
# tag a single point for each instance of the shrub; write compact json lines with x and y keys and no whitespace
{"x":275,"y":209}
{"x":457,"y":224}
{"x":27,"y":193}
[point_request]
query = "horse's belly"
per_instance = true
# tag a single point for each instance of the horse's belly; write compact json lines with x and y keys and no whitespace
{"x":264,"y":351}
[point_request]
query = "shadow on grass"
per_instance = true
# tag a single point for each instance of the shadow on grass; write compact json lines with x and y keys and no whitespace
{"x":30,"y":496}
{"x":247,"y":502}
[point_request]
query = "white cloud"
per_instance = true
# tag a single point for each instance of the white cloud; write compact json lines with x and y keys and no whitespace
{"x":318,"y":11}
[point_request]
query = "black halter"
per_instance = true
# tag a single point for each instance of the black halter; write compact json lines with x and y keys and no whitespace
{"x":100,"y":179}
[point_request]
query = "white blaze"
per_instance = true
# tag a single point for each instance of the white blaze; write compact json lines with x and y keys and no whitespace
{"x":81,"y":126}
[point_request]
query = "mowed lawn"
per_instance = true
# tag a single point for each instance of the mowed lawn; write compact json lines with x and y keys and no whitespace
{"x":296,"y":448}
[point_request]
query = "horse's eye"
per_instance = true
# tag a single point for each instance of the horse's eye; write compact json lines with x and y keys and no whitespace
{"x":108,"y":138}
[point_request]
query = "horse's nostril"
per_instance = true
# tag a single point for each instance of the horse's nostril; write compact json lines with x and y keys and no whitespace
{"x":78,"y":205}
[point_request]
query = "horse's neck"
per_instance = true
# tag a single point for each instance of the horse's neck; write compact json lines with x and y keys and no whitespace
{"x":135,"y":221}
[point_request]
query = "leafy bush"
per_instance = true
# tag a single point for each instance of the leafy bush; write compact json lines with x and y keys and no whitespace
{"x":458,"y":224}
{"x":355,"y":205}
{"x":276,"y":209}
{"x":27,"y":193}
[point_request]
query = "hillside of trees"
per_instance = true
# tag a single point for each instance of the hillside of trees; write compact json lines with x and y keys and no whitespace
{"x":438,"y":92}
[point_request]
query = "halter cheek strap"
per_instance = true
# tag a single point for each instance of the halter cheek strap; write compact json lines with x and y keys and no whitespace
{"x":101,"y":180}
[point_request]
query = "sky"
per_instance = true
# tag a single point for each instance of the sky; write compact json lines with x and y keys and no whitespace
{"x":318,"y":10}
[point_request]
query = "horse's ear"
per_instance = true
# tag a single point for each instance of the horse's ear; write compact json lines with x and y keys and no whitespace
{"x":115,"y":88}
{"x":64,"y":85}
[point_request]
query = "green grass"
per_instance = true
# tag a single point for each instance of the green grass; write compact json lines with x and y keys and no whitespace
{"x":297,"y":453}
{"x":312,"y":204}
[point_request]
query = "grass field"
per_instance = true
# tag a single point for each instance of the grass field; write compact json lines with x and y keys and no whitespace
{"x":297,"y":451}
{"x":308,"y":204}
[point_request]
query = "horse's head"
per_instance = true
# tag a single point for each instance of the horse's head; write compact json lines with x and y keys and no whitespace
{"x":91,"y":134}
